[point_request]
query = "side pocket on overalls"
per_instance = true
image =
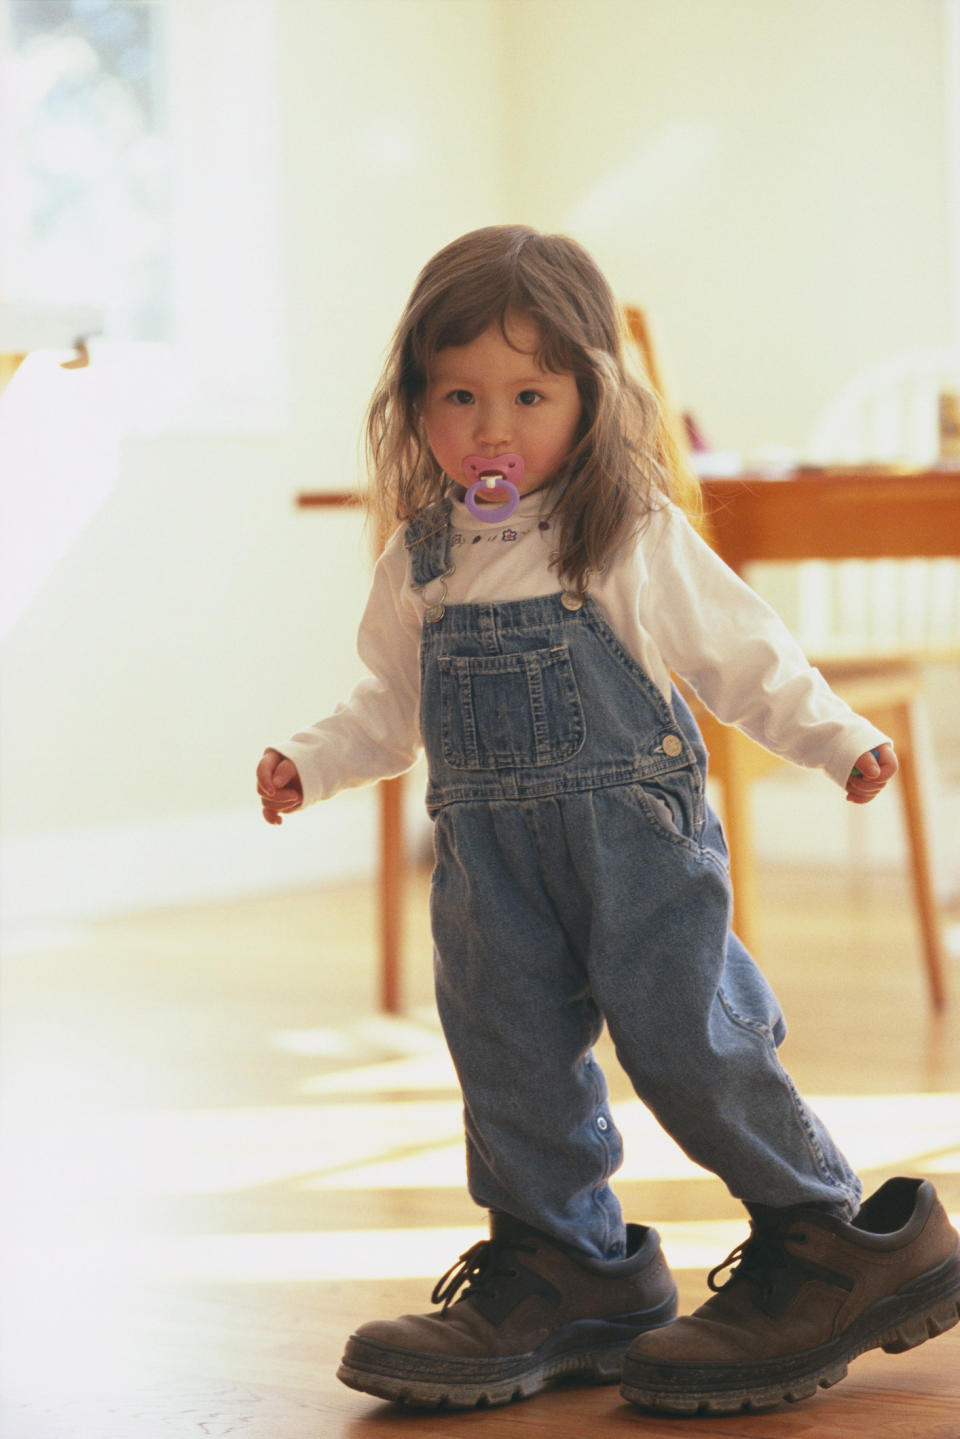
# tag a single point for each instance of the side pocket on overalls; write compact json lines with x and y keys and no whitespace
{"x":672,"y":801}
{"x":674,"y":808}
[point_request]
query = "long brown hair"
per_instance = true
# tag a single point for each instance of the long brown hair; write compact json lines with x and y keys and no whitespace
{"x":623,"y":463}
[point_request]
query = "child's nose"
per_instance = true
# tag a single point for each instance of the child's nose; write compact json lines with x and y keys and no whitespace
{"x":493,"y":428}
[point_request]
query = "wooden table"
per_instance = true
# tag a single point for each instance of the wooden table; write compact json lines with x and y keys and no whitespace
{"x":848,"y":512}
{"x":843,"y":512}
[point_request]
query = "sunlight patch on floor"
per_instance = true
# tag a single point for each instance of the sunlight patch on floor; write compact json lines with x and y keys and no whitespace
{"x":399,"y":1143}
{"x":946,"y":1163}
{"x":426,"y":1071}
{"x":287,"y":1258}
{"x":217,"y":1151}
{"x":331,"y":1257}
{"x":392,"y":1034}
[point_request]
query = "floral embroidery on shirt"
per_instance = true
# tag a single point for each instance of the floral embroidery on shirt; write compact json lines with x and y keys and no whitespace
{"x":491,"y":537}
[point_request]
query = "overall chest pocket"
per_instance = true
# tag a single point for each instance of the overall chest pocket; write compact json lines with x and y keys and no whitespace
{"x":510,"y":711}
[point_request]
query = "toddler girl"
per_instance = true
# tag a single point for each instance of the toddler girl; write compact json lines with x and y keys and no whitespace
{"x":522,"y":628}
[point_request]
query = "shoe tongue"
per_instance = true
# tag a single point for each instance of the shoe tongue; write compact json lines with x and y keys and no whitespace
{"x":504,"y":1226}
{"x":766,"y":1218}
{"x":780,"y":1220}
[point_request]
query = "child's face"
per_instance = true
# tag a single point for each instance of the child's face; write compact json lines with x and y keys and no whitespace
{"x":489,"y":398}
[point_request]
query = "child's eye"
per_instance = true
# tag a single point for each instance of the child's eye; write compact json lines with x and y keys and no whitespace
{"x":529,"y":397}
{"x":460,"y":397}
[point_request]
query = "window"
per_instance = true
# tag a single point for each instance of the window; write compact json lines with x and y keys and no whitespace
{"x":88,"y":160}
{"x":139,"y":175}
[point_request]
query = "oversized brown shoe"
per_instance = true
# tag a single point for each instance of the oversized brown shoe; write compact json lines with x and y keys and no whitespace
{"x":531,"y":1310}
{"x":808,"y":1294}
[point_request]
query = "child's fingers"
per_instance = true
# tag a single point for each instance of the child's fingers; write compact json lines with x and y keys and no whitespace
{"x":870,"y":773}
{"x":274,"y":772}
{"x":866,"y":767}
{"x":279,"y":787}
{"x":285,"y":774}
{"x":265,"y":772}
{"x":283,"y":801}
{"x":887,"y":761}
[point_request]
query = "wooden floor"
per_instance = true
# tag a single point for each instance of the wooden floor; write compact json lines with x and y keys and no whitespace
{"x":222,"y":1160}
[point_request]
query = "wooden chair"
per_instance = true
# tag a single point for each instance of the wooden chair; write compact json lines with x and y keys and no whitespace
{"x":884,"y":688}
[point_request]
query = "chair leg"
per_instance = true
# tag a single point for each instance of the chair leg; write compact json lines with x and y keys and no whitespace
{"x":915,"y":819}
{"x":738,"y":828}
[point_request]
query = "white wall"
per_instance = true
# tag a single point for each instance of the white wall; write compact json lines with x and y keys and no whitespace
{"x":767,"y":177}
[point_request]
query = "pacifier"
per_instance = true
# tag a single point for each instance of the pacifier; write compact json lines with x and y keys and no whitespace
{"x":491,"y":478}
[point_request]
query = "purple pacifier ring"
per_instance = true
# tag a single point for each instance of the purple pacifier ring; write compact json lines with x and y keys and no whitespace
{"x":492,"y":475}
{"x":492,"y":513}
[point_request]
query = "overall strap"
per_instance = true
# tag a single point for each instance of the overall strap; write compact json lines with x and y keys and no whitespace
{"x":427,"y":538}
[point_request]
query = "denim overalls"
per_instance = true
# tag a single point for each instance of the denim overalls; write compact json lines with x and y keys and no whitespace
{"x":580,"y":877}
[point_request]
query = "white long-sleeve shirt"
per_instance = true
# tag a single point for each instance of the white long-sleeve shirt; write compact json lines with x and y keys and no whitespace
{"x":671,"y":601}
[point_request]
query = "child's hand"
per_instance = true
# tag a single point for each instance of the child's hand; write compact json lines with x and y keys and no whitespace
{"x":875,"y":767}
{"x":278,"y":785}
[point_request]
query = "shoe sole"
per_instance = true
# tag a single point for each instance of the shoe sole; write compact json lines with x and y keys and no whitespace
{"x":439,"y":1381}
{"x":731,"y":1389}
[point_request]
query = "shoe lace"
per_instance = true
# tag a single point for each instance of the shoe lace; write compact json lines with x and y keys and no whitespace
{"x":479,"y":1268}
{"x":757,"y":1259}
